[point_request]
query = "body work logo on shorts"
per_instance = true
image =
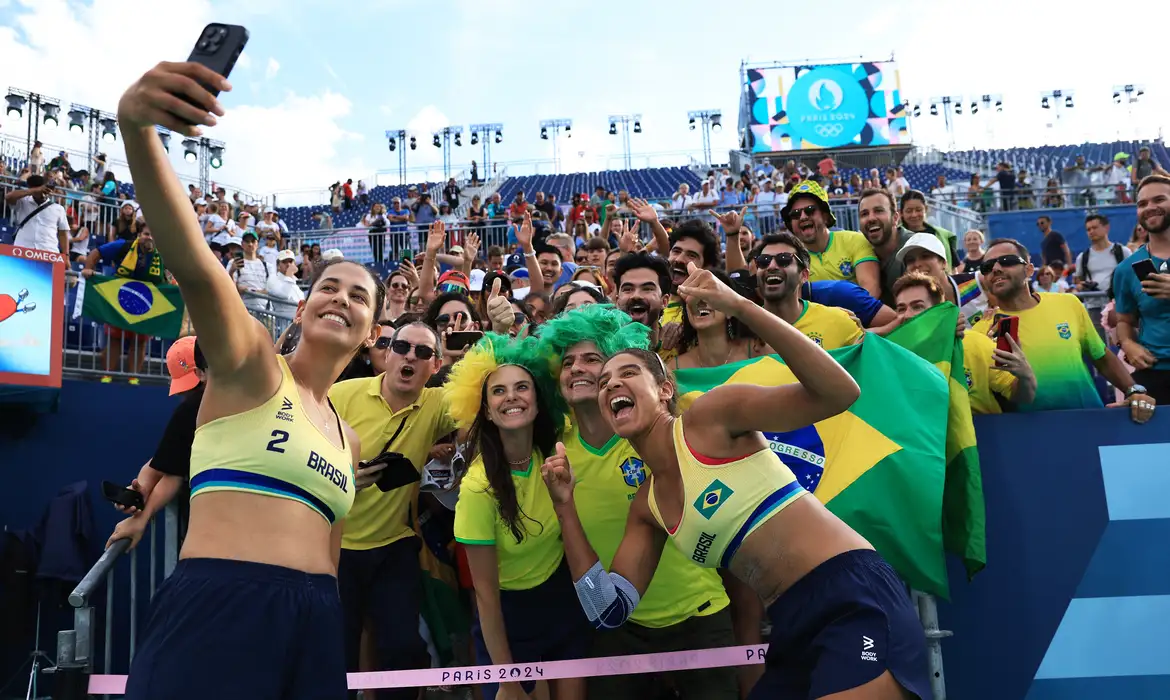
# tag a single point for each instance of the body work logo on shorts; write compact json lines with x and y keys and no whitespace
{"x":633,"y":471}
{"x":712,"y":498}
{"x":1063,"y":330}
{"x":803,"y":452}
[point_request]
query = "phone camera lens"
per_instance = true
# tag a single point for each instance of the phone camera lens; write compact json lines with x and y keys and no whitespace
{"x":222,"y":31}
{"x":202,"y":45}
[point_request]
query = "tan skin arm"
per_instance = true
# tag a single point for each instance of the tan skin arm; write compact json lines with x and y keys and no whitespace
{"x":237,"y":347}
{"x":648,"y":214}
{"x":869,"y":278}
{"x":524,"y":234}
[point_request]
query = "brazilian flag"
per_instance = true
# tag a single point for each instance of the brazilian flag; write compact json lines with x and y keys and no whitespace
{"x":931,"y":336}
{"x":134,"y":305}
{"x":881,"y":465}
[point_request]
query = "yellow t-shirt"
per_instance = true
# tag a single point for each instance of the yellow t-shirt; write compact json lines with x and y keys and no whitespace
{"x":378,"y":518}
{"x":828,"y":326}
{"x":982,"y":378}
{"x":525,"y":564}
{"x":844,"y":252}
{"x":607,"y":478}
{"x":672,"y":313}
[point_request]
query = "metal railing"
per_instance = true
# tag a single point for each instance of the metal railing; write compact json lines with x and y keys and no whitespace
{"x":1035,"y":196}
{"x":77,"y":647}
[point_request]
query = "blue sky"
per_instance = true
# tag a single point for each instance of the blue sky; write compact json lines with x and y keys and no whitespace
{"x":321,"y":82}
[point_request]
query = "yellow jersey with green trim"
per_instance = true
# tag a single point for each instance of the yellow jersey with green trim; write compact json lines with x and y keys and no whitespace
{"x":725,"y":500}
{"x":843,"y":253}
{"x":607,"y":478}
{"x":672,"y":312}
{"x":983,"y":380}
{"x":275,"y":450}
{"x":525,"y":564}
{"x":828,"y":326}
{"x":379,"y":518}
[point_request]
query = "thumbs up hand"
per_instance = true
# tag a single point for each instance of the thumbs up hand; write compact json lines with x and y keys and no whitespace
{"x":558,"y":476}
{"x":499,"y":310}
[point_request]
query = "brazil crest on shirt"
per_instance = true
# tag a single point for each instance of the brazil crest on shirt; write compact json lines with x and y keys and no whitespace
{"x":134,"y":305}
{"x":881,"y":465}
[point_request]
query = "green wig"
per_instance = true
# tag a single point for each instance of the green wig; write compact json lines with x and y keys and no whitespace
{"x":606,"y":326}
{"x":464,"y":388}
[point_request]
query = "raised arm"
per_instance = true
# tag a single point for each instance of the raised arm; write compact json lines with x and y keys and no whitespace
{"x":436,"y":239}
{"x":649,"y":214}
{"x":732,"y":222}
{"x":608,"y":598}
{"x":233,"y":342}
{"x":823,"y":387}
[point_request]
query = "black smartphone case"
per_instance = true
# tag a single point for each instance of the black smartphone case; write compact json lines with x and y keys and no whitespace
{"x":219,"y":47}
{"x":399,"y":472}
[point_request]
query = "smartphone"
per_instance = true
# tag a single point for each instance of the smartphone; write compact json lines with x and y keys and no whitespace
{"x":1009,"y":326}
{"x":219,"y":47}
{"x":120,"y":495}
{"x":1144,"y":268}
{"x":408,"y":256}
{"x":462,"y":339}
{"x":238,"y":255}
{"x":398,"y":472}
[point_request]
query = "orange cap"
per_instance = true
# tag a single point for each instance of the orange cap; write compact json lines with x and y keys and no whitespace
{"x":181,"y":365}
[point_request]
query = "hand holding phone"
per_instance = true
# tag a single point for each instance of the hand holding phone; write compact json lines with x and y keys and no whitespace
{"x":1007,"y":327}
{"x":1144,"y":268}
{"x":122,"y":496}
{"x":459,"y":340}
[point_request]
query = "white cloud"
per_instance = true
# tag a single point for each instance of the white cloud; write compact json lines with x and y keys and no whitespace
{"x":293,"y":143}
{"x":427,"y":121}
{"x":272,"y":69}
{"x":244,"y":62}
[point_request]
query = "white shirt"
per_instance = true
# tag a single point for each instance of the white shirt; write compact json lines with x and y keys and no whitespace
{"x":899,"y":187}
{"x":89,"y":208}
{"x":1101,"y":264}
{"x":218,"y":225}
{"x":268,"y":255}
{"x":765,"y":202}
{"x":285,"y":287}
{"x":680,"y":202}
{"x":41,"y":231}
{"x":253,"y":276}
{"x":711,"y":197}
{"x":264,"y":228}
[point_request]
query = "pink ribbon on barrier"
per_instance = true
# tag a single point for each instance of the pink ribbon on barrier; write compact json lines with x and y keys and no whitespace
{"x":576,"y":668}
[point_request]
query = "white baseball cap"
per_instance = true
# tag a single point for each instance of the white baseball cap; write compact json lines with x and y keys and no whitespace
{"x":234,"y":240}
{"x":926,"y":241}
{"x":286,"y":255}
{"x":476,"y":280}
{"x":331,"y":254}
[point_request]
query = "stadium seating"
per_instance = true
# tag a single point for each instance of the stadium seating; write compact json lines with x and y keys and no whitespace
{"x":301,"y":218}
{"x":1050,"y":160}
{"x":650,"y":183}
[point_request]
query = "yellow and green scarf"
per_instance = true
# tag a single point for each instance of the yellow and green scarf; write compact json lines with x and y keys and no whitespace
{"x":129,"y":265}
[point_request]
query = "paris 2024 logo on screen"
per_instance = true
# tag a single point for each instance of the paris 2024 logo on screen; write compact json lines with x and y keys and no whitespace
{"x":827,"y":108}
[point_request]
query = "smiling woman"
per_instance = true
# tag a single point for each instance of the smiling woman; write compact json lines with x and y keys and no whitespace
{"x":503,"y":390}
{"x":271,"y":464}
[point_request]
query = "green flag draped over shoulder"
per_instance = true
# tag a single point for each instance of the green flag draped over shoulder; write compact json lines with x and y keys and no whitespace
{"x":931,"y":336}
{"x":881,"y":465}
{"x":134,"y":305}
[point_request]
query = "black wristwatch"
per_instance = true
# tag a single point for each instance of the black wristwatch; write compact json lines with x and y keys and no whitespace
{"x":1135,"y":389}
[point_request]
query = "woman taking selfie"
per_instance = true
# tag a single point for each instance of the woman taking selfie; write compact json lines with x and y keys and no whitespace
{"x":825,"y":587}
{"x":504,"y":392}
{"x":252,"y":608}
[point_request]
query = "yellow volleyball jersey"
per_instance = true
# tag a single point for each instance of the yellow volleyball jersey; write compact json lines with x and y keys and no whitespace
{"x":381,"y":517}
{"x":525,"y":564}
{"x":828,"y":326}
{"x":843,"y":253}
{"x":607,"y":478}
{"x":983,"y":380}
{"x":275,"y":450}
{"x":672,"y":312}
{"x":725,"y":500}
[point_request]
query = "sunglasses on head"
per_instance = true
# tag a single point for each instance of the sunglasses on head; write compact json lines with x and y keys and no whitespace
{"x":802,"y":212}
{"x":1003,"y":261}
{"x":763,"y":260}
{"x":452,"y":287}
{"x":402,"y":347}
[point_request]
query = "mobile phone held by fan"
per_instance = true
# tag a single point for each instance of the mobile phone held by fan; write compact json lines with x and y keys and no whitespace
{"x":219,"y":47}
{"x":122,"y":496}
{"x":458,"y":340}
{"x":1143,"y":269}
{"x":1008,"y":327}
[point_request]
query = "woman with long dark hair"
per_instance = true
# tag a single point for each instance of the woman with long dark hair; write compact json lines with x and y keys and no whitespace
{"x":710,"y":337}
{"x":504,"y":393}
{"x":252,"y":608}
{"x":842,"y":622}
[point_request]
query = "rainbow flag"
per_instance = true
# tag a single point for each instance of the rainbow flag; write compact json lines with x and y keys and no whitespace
{"x":931,"y":336}
{"x":134,"y":305}
{"x":881,"y":465}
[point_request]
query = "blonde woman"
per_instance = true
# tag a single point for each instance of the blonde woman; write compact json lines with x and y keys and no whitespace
{"x":973,"y":251}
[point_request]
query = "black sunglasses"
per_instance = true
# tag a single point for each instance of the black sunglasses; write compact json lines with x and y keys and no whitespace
{"x":763,"y":260}
{"x":1003,"y":261}
{"x":802,"y":212}
{"x":521,"y":318}
{"x":399,"y":285}
{"x":402,"y":347}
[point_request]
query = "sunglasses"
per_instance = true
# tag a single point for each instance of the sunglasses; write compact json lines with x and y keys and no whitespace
{"x":798,"y":214}
{"x":1003,"y":261}
{"x":444,"y":319}
{"x":452,"y":287}
{"x":763,"y":260}
{"x":520,"y":318}
{"x":399,"y":285}
{"x":402,"y":347}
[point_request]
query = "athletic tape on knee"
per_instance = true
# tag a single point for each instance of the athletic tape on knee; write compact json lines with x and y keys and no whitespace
{"x":607,"y":598}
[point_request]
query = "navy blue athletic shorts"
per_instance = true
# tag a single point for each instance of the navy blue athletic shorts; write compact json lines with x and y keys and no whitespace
{"x":545,"y":623}
{"x":232,"y":630}
{"x":844,"y":624}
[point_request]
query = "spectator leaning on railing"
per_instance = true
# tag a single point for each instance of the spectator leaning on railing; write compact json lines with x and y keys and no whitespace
{"x":283,"y":283}
{"x":1143,"y":297}
{"x":40,"y":222}
{"x":250,"y":273}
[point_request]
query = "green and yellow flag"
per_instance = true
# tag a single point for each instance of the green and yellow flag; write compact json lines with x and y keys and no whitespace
{"x":134,"y":305}
{"x":931,"y":336}
{"x":881,"y":465}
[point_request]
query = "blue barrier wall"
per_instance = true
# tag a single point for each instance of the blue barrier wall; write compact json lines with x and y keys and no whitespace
{"x":100,"y":432}
{"x":1070,"y":223}
{"x":1070,"y":606}
{"x":1076,"y":592}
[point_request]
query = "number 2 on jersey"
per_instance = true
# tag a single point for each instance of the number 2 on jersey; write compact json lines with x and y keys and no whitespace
{"x":279,"y":437}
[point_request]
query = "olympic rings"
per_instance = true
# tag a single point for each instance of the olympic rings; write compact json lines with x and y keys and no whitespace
{"x":829,"y":129}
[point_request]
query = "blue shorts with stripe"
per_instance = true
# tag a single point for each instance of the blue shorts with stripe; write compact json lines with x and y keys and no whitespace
{"x":232,"y":630}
